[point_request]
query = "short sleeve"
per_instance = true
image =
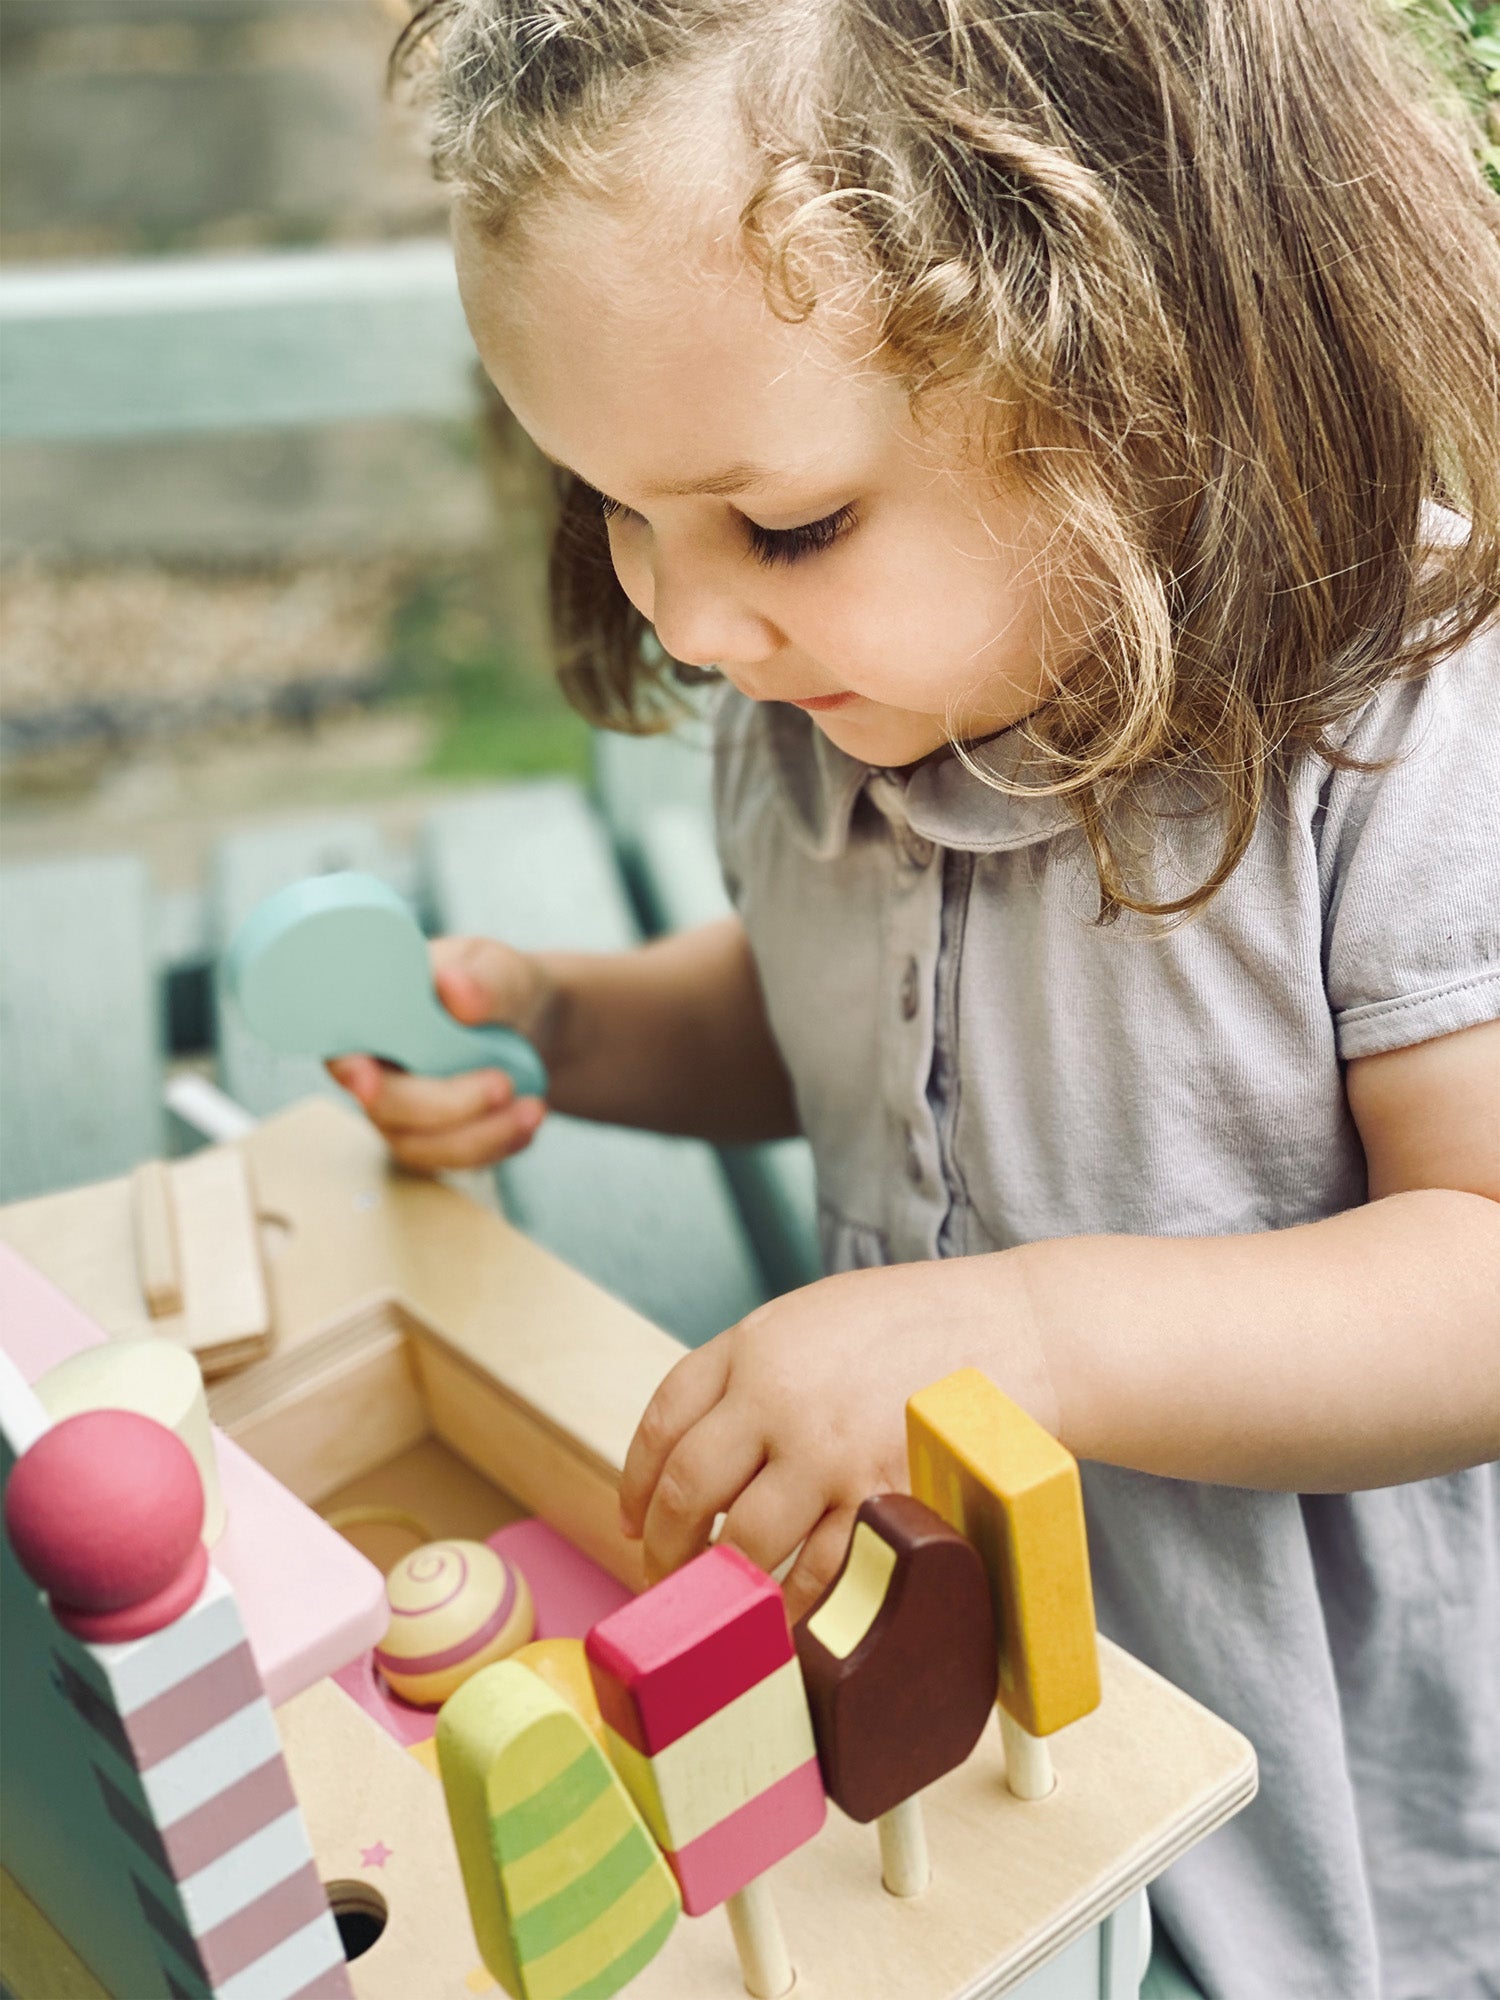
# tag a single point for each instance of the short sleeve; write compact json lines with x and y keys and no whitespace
{"x":1410,"y":860}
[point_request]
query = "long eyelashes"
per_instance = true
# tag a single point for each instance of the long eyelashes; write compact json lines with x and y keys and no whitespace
{"x":773,"y":546}
{"x":788,"y":545}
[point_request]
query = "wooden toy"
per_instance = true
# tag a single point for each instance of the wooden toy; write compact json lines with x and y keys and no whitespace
{"x":993,"y":1473}
{"x":158,"y":1254}
{"x":563,"y":1665}
{"x":898,"y":1657}
{"x":568,"y":1594}
{"x":706,"y":1721}
{"x":310,"y":1602}
{"x":455,"y":1607}
{"x":156,"y":1378}
{"x":101,"y":1245}
{"x":569,"y":1895}
{"x":336,"y":965}
{"x":216,"y":1890}
{"x":428,"y":1355}
{"x":379,"y":1828}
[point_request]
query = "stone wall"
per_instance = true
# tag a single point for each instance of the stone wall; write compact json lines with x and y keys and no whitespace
{"x":134,"y":128}
{"x":140,"y":126}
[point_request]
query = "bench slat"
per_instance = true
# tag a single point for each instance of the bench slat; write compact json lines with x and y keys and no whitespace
{"x":176,"y":345}
{"x":649,"y":1218}
{"x":80,"y":1024}
{"x":655,"y":790}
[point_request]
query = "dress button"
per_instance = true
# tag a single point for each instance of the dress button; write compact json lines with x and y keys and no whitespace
{"x":914,"y":1169}
{"x":911,"y":990}
{"x":917,"y":851}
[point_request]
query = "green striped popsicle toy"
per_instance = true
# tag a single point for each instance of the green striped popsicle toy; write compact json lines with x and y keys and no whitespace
{"x":569,"y":1894}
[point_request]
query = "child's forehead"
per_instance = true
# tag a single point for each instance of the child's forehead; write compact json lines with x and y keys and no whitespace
{"x":612,"y":352}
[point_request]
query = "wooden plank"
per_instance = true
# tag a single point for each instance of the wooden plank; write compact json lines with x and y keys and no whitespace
{"x":83,"y":1240}
{"x":637,"y":776}
{"x":80,"y":1028}
{"x":157,"y":1256}
{"x":360,"y":1255}
{"x":431,"y":1484}
{"x":246,"y":868}
{"x":647,"y":1217}
{"x":164,"y":346}
{"x":492,"y":1433}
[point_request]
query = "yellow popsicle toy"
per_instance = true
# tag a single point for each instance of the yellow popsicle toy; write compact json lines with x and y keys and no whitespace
{"x":991,"y":1471}
{"x":568,"y":1892}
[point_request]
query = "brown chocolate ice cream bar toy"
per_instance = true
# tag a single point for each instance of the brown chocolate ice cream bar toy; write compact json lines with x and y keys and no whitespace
{"x":899,"y":1660}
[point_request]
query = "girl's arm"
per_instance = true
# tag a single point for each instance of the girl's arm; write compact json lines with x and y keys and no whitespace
{"x":1359,"y":1351}
{"x":672,"y":1036}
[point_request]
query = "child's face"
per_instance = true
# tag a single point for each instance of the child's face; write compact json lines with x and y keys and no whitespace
{"x":775,"y":509}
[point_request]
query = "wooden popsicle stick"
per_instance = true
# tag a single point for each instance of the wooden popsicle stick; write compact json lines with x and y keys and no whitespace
{"x":899,"y":1661}
{"x":759,"y":1941}
{"x":998,"y":1477}
{"x":1028,"y":1761}
{"x":904,"y":1866}
{"x":707,"y":1723}
{"x":158,"y":1255}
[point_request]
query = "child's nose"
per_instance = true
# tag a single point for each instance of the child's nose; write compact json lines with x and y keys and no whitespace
{"x":703,"y":621}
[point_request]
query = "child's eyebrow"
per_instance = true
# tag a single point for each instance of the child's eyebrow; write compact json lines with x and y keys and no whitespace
{"x":733,"y":479}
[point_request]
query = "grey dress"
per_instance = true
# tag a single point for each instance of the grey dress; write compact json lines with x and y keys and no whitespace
{"x":976,"y":1065}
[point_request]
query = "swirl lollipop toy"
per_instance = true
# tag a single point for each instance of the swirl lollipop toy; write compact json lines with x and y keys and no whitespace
{"x":456,"y":1606}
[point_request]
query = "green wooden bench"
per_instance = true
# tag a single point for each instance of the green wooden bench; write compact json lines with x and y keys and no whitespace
{"x":656,"y":793}
{"x":80,"y":1024}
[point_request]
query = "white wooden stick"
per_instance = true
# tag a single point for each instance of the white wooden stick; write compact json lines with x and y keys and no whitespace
{"x":904,"y":1866}
{"x":758,"y":1939}
{"x":1028,"y":1761}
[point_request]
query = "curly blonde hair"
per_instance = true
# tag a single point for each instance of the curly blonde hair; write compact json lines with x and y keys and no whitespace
{"x":1230,"y":286}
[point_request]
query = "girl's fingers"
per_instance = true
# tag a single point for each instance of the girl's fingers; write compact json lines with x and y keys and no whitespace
{"x":404,"y":1105}
{"x":480,"y":979}
{"x":774,"y":1515}
{"x":715,"y":1460}
{"x":819,"y":1563}
{"x":687,"y":1395}
{"x":477,"y":1144}
{"x":359,"y":1075}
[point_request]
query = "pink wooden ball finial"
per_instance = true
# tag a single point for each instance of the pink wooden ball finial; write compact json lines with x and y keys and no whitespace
{"x":105,"y":1512}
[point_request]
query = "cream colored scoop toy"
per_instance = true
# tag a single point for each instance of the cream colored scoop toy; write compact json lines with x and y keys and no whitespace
{"x":337,"y":965}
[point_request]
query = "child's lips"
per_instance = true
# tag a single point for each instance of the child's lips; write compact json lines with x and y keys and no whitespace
{"x":817,"y":704}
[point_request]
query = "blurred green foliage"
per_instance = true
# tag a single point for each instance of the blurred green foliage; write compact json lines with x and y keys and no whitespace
{"x":1462,"y":39}
{"x":497,"y":712}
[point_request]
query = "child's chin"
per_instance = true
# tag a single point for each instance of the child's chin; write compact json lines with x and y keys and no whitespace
{"x":886,"y":737}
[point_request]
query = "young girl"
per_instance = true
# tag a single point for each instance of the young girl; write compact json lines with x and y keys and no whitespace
{"x":1073,"y":434}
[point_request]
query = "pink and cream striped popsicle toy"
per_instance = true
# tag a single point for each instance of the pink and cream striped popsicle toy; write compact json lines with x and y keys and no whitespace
{"x":707,"y":1723}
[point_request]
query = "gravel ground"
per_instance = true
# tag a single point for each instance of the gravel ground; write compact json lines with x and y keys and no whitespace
{"x":144,"y":635}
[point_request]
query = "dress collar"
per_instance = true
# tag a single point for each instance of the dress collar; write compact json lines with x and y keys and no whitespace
{"x":940,"y":799}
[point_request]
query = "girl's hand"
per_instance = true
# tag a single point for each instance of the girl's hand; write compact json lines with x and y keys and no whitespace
{"x":432,"y":1123}
{"x":793,"y":1417}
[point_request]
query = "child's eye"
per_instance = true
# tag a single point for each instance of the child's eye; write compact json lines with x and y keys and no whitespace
{"x":788,"y":545}
{"x":768,"y":545}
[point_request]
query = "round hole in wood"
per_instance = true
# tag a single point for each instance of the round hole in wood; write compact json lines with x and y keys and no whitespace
{"x":361,"y":1913}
